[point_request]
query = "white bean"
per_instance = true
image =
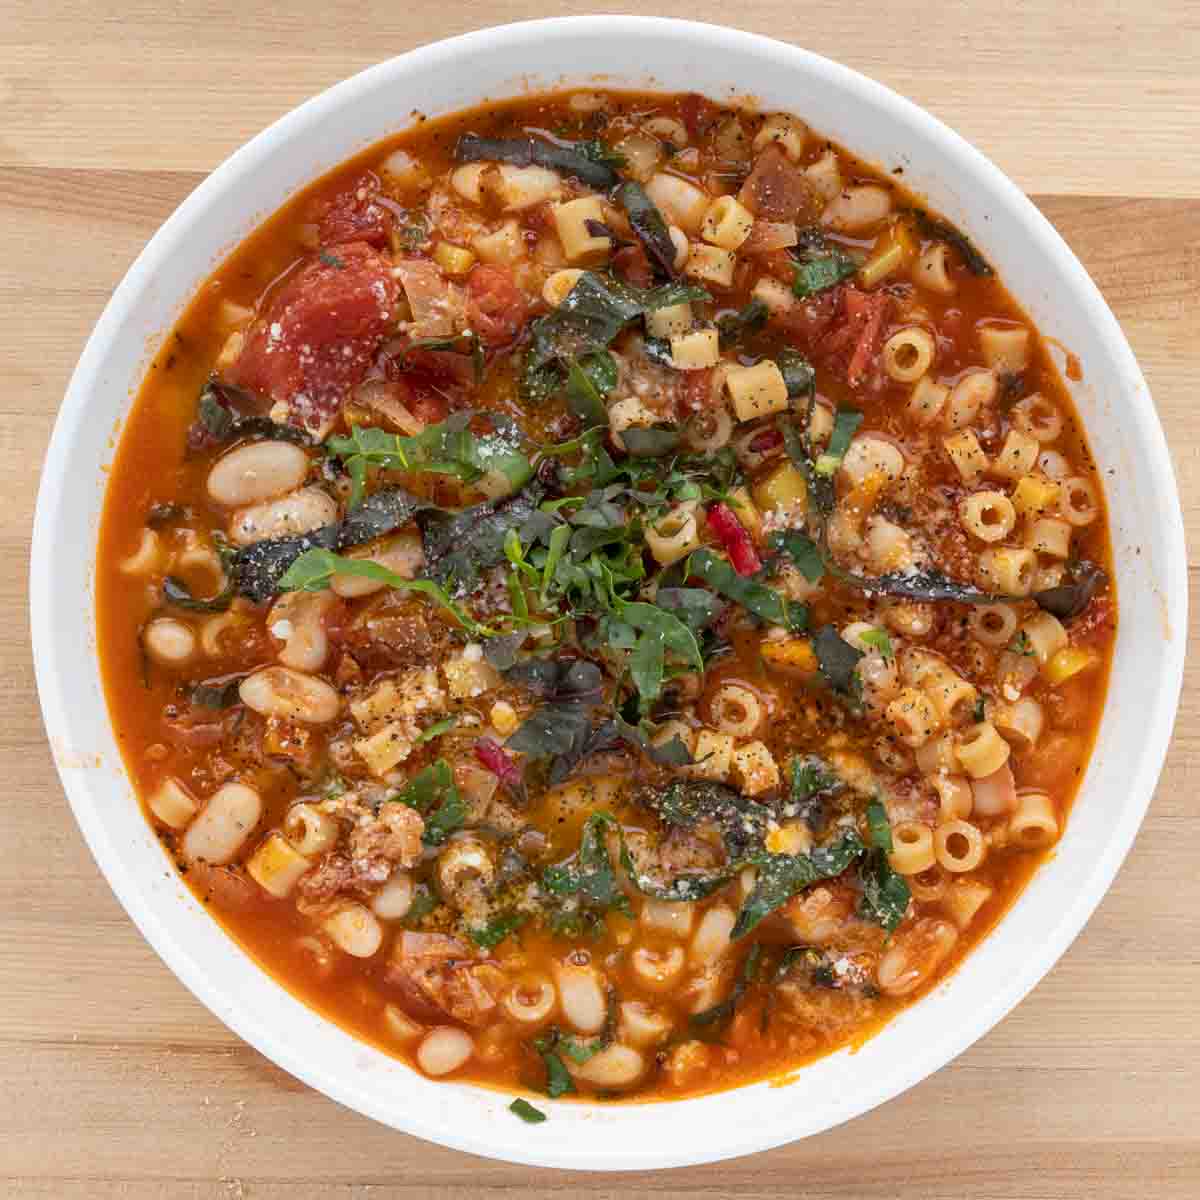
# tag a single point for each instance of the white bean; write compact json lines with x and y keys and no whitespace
{"x":395,"y":898}
{"x":300,"y":512}
{"x":582,"y":998}
{"x":402,"y":554}
{"x":168,"y":641}
{"x":223,"y":825}
{"x":400,"y":1025}
{"x":281,"y":692}
{"x":297,"y":619}
{"x":530,"y":1001}
{"x":618,"y":1066}
{"x":914,"y":954}
{"x":354,"y":929}
{"x":855,"y":209}
{"x":712,"y":937}
{"x":444,"y":1050}
{"x":257,"y":472}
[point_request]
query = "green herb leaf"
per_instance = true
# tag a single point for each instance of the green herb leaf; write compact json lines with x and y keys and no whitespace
{"x":659,"y":633}
{"x":558,"y":1078}
{"x":943,"y":231}
{"x":735,"y":326}
{"x":878,"y":826}
{"x":885,"y":892}
{"x":648,"y":225}
{"x":755,"y":597}
{"x":798,"y":374}
{"x":878,"y":638}
{"x":781,"y":876}
{"x":312,"y":571}
{"x":818,"y":274}
{"x":838,"y":661}
{"x":450,"y":816}
{"x":489,"y":936}
{"x":437,"y":729}
{"x":576,"y":160}
{"x":845,"y":424}
{"x":589,"y":380}
{"x":802,"y":550}
{"x":588,"y":877}
{"x":650,"y":441}
{"x":526,"y":1111}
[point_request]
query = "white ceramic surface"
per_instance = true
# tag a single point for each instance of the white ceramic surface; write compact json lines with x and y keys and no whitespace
{"x":1038,"y":267}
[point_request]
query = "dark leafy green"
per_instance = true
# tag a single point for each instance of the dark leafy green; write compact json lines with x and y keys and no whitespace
{"x":721,"y":1013}
{"x":526,"y":1111}
{"x":943,"y":231}
{"x":258,"y":570}
{"x":589,"y":380}
{"x":1070,"y":598}
{"x":177,"y":593}
{"x":734,"y":327}
{"x":648,"y":224}
{"x":838,"y":661}
{"x":781,"y":876}
{"x":755,"y":597}
{"x":801,"y":549}
{"x":491,"y":934}
{"x":380,"y":513}
{"x":650,"y":441}
{"x":467,"y":343}
{"x":583,"y":160}
{"x":216,"y":693}
{"x":312,"y":570}
{"x":587,"y":881}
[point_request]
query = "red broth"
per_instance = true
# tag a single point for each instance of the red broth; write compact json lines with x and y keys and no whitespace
{"x":761,"y":620}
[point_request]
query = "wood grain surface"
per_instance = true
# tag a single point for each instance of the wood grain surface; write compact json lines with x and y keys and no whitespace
{"x":114,"y":1081}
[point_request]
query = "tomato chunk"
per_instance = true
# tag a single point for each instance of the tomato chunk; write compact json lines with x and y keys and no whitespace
{"x":777,"y":190}
{"x":735,"y":539}
{"x":319,"y":332}
{"x":357,"y":216}
{"x":496,"y":307}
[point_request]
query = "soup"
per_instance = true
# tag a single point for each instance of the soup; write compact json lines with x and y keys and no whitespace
{"x":605,"y":594}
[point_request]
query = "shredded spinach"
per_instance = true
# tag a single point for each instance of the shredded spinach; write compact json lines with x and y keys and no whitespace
{"x":584,"y":161}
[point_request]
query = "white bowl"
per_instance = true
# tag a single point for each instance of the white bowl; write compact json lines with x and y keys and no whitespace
{"x":1035,"y":263}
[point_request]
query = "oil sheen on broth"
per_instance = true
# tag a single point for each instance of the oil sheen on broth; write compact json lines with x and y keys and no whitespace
{"x":605,"y":594}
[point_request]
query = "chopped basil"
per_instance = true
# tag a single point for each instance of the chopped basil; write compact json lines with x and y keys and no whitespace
{"x":879,"y":640}
{"x":490,"y":935}
{"x":526,"y":1111}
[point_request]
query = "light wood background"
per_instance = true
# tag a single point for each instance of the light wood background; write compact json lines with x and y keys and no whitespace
{"x":114,"y":1081}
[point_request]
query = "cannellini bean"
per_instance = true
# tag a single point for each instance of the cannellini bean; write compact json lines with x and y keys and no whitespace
{"x":282,"y":692}
{"x":298,"y":620}
{"x":641,"y":1024}
{"x":257,"y":472}
{"x":617,"y":1066}
{"x":711,"y":939}
{"x":355,"y":930}
{"x":657,"y":969}
{"x":300,"y":512}
{"x":582,"y":997}
{"x":395,"y":898}
{"x":531,"y":1001}
{"x":914,"y":954}
{"x":169,"y":641}
{"x":402,"y":554}
{"x":855,"y":209}
{"x":223,"y":825}
{"x":147,"y":557}
{"x":444,"y":1050}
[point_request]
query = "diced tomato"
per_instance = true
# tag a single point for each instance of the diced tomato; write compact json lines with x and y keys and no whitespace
{"x":632,"y":264}
{"x":698,"y":389}
{"x":768,"y":439}
{"x":697,"y":113}
{"x":319,"y":332}
{"x":496,"y":307}
{"x":734,"y":539}
{"x":807,"y":322}
{"x":859,"y":331}
{"x":357,"y":216}
{"x":777,"y":190}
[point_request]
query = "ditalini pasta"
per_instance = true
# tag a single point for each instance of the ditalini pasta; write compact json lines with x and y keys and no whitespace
{"x":606,"y":594}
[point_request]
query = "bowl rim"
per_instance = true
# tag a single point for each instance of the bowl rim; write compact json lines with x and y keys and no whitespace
{"x":55,"y":697}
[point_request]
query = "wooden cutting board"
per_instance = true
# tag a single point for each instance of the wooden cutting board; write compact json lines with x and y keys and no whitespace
{"x":114,"y":1081}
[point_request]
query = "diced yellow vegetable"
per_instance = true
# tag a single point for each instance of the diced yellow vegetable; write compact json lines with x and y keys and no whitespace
{"x":894,"y":249}
{"x":746,"y":512}
{"x":782,"y":488}
{"x":1069,"y":661}
{"x":790,"y":654}
{"x":454,"y":260}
